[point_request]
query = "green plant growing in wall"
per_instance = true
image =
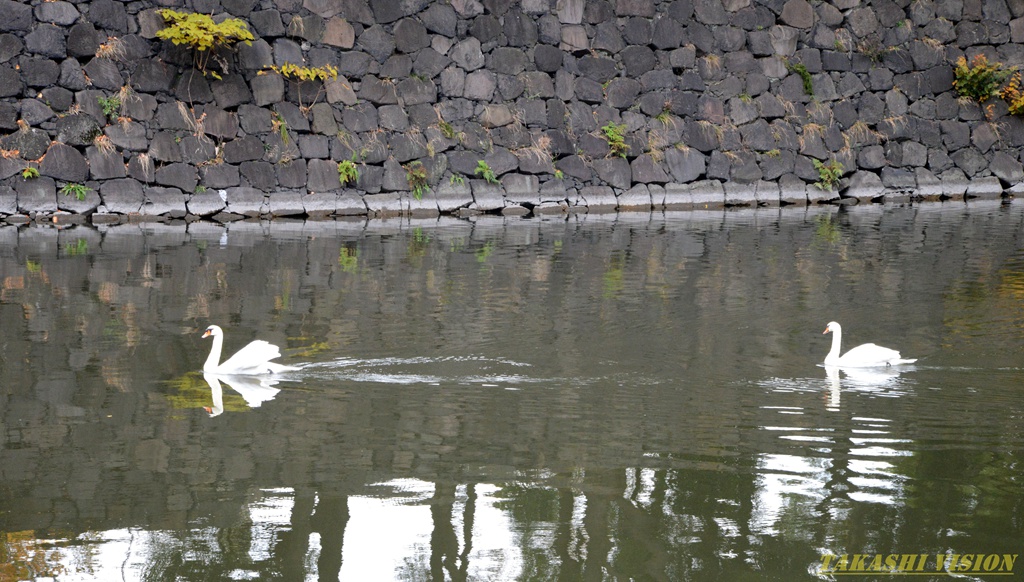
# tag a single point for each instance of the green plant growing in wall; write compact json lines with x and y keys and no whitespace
{"x":278,"y":124}
{"x":111,"y":106}
{"x":483,"y":169}
{"x":979,"y":80}
{"x":204,"y":36}
{"x":416,"y":176}
{"x":78,"y":190}
{"x":456,"y":179}
{"x":614,"y":134}
{"x":1013,"y":96}
{"x":29,"y":173}
{"x":805,"y":76}
{"x":347,"y":171}
{"x":301,"y":74}
{"x":828,"y":174}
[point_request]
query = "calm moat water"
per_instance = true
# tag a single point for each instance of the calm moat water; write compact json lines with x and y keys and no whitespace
{"x":630,"y":397}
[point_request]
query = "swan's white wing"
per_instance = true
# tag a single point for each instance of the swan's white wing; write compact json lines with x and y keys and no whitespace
{"x":252,"y":359}
{"x":867,"y":355}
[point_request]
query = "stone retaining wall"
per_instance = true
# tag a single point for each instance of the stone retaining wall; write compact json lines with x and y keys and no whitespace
{"x":708,"y":95}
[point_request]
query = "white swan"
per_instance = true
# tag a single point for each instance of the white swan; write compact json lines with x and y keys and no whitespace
{"x":252,"y":359}
{"x":862,"y":356}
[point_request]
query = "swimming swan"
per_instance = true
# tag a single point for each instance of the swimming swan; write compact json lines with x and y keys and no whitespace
{"x":862,"y":356}
{"x":251,"y":360}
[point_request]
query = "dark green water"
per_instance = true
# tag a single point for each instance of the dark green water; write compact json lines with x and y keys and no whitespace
{"x":604,"y":398}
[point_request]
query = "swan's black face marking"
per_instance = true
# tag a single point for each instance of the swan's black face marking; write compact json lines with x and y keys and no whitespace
{"x":208,"y":332}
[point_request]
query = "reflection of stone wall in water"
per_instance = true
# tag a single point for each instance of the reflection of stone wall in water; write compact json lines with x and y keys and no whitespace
{"x":601,"y":104}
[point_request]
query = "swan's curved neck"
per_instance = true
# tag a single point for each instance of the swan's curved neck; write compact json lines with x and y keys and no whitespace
{"x":833,"y":354}
{"x":213,"y":360}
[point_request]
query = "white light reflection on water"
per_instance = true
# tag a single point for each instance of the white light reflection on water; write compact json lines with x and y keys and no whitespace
{"x":387,"y":537}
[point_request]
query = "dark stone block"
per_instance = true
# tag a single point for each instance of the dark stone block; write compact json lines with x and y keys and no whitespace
{"x":292,"y":174}
{"x":165,"y":148}
{"x":10,"y":47}
{"x":360,"y":117}
{"x":267,"y":89}
{"x":379,"y":91}
{"x":219,"y":123}
{"x":429,"y":63}
{"x":46,"y":40}
{"x":164,"y":202}
{"x":258,"y":174}
{"x":256,"y":56}
{"x":35,"y":72}
{"x":71,"y":75}
{"x":267,"y":23}
{"x":77,"y":129}
{"x":255,"y":120}
{"x":123,"y":196}
{"x":10,"y":82}
{"x":39,"y":195}
{"x":230,"y":91}
{"x":667,"y":33}
{"x":142,"y":168}
{"x":638,"y":60}
{"x":314,"y":146}
{"x":128,"y":136}
{"x":622,"y":92}
{"x":646,"y":170}
{"x":181,"y":176}
{"x":104,"y":165}
{"x":64,"y":162}
{"x":293,"y":117}
{"x":9,"y":117}
{"x":16,"y":16}
{"x":219,"y":176}
{"x":599,"y":69}
{"x":414,"y":91}
{"x":322,"y":175}
{"x":287,"y":51}
{"x":104,"y":74}
{"x":58,"y":98}
{"x":197,"y":149}
{"x":508,"y":61}
{"x":246,"y":201}
{"x":520,"y":29}
{"x":204,"y":203}
{"x":239,"y":8}
{"x":589,"y":91}
{"x":405,"y":148}
{"x":440,"y":18}
{"x":485,"y":28}
{"x":109,"y":15}
{"x":309,"y":27}
{"x":31,"y":144}
{"x":377,"y":43}
{"x":547,"y":58}
{"x":410,"y":36}
{"x":192,"y":87}
{"x":58,"y":12}
{"x":608,"y":38}
{"x":615,"y":171}
{"x":244,"y":150}
{"x":34,"y":111}
{"x":153,"y":76}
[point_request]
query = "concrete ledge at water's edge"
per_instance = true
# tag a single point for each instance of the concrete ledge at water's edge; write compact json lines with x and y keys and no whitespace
{"x":42,"y":202}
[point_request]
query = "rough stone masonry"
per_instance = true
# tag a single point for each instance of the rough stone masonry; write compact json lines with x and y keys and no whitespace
{"x":499,"y":106}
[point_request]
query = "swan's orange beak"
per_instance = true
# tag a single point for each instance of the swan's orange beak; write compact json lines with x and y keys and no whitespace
{"x":206,"y":334}
{"x":827,"y":329}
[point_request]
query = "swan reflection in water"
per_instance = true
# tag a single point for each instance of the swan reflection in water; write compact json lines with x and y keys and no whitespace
{"x":255,"y":390}
{"x":881,"y":381}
